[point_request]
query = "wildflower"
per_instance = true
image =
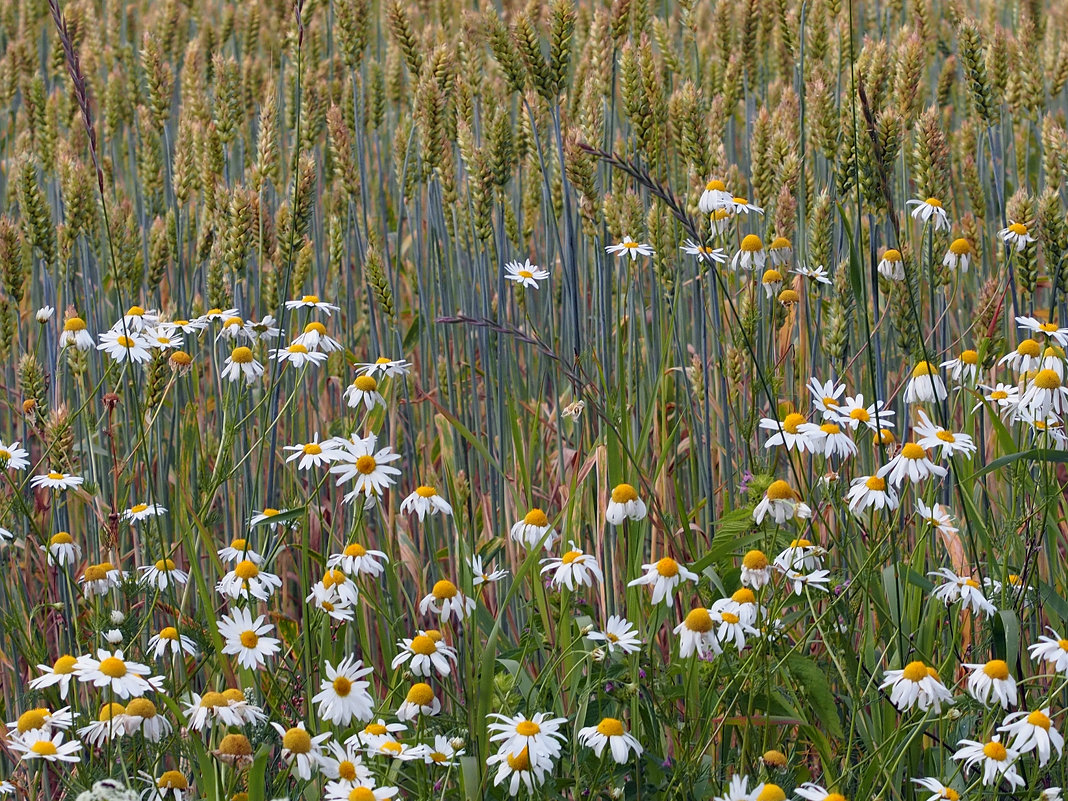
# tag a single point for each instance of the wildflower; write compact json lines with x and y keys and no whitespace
{"x":441,"y":753}
{"x":780,"y":251}
{"x":1033,"y":731}
{"x":266,"y":330}
{"x":343,"y":695}
{"x":1016,"y":236}
{"x":573,"y":568}
{"x":299,"y":355}
{"x":734,"y":621}
{"x":703,"y":252}
{"x":696,"y":634}
{"x":609,"y":733}
{"x":49,"y":747}
{"x":933,"y":436}
{"x":329,"y":600}
{"x":782,"y":502}
{"x":756,"y":572}
{"x":314,"y":337}
{"x":58,"y":673}
{"x":891,"y":265}
{"x":171,"y":783}
{"x":964,"y":368}
{"x":246,"y":638}
{"x":1045,"y":394}
{"x":364,"y":389}
{"x":925,"y":385}
{"x":427,"y":654}
{"x":516,"y":768}
{"x":75,"y":333}
{"x":937,"y":516}
{"x":99,"y":579}
{"x":866,"y":492}
{"x":43,"y":719}
{"x":916,"y":685}
{"x":387,"y":367}
{"x":828,"y":439}
{"x":1050,"y":329}
{"x":169,"y":639}
{"x":445,"y":600}
{"x":817,"y":274}
{"x":618,"y":633}
{"x":959,"y":255}
{"x":246,"y":581}
{"x":425,"y":500}
{"x":234,"y":750}
{"x":356,"y":560}
{"x":239,"y":550}
{"x":525,"y":274}
{"x":300,"y":750}
{"x":930,"y":210}
{"x":344,"y":764}
{"x":853,"y":413}
{"x":1026,"y":357}
{"x":540,"y":735}
{"x":998,"y":761}
{"x":665,"y":575}
{"x":787,"y":432}
{"x":751,"y":254}
{"x":271,"y":516}
{"x":715,"y":196}
{"x":163,"y":574}
{"x":939,"y":791}
{"x":800,"y":554}
{"x":825,"y":395}
{"x":360,"y":460}
{"x":420,"y":700}
{"x":911,"y":463}
{"x":992,"y":678}
{"x":1051,"y":650}
{"x":311,"y":454}
{"x":142,"y":511}
{"x":377,"y":732}
{"x":534,"y":529}
{"x":125,"y":679}
{"x":624,"y":504}
{"x":628,"y":247}
{"x":813,"y":792}
{"x":163,"y":337}
{"x":13,"y":457}
{"x":772,"y":283}
{"x":110,"y":724}
{"x":1006,"y":397}
{"x":961,"y":588}
{"x":142,"y":717}
{"x":312,"y":302}
{"x":482,"y":576}
{"x":241,"y":363}
{"x":741,"y":206}
{"x":125,"y":346}
{"x":56,"y":480}
{"x":62,"y":549}
{"x":817,"y":579}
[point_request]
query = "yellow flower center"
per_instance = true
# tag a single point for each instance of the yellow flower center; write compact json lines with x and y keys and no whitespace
{"x":525,"y":274}
{"x":113,"y":667}
{"x":434,"y":634}
{"x":960,"y":247}
{"x":996,"y":669}
{"x":425,"y":491}
{"x":297,"y":741}
{"x":32,"y":719}
{"x":969,"y":357}
{"x":296,"y":347}
{"x":780,"y":491}
{"x":830,"y":429}
{"x":169,"y":633}
{"x":361,"y":794}
{"x":421,"y":644}
{"x":914,"y":671}
{"x":347,"y":771}
{"x":999,"y":394}
{"x":172,"y":780}
{"x":44,"y":748}
{"x":624,"y":493}
{"x":1019,"y":229}
{"x":310,"y":299}
{"x":64,"y":665}
{"x":520,"y":762}
{"x":771,"y":792}
{"x":527,"y":728}
{"x":375,"y":729}
{"x":950,"y":794}
{"x":141,"y":708}
{"x":355,"y":550}
{"x":972,"y":583}
{"x":752,"y":244}
{"x":933,"y":201}
{"x":74,"y":324}
{"x":699,"y":620}
{"x":235,"y":745}
{"x":716,"y":185}
{"x":61,"y":538}
{"x":667,"y":567}
{"x":111,"y":711}
{"x":57,"y":476}
{"x":246,"y":569}
{"x":729,"y":617}
{"x":1029,"y":347}
{"x":210,"y":700}
{"x":946,"y":436}
{"x":318,"y":328}
{"x":233,"y":321}
{"x":994,"y":750}
{"x":789,"y":296}
{"x":444,"y":589}
{"x":743,"y":595}
{"x":755,"y":560}
{"x":771,"y":277}
{"x":1039,"y":719}
{"x":239,"y":544}
{"x":366,"y":464}
{"x":778,"y":243}
{"x":876,"y":483}
{"x":365,"y":383}
{"x":312,"y":449}
{"x":924,"y":369}
{"x":342,"y":686}
{"x":1047,"y":379}
{"x":913,"y":451}
{"x":610,"y":727}
{"x":124,"y":341}
{"x":792,"y":421}
{"x":892,"y":254}
{"x":631,"y":245}
{"x":165,"y":565}
{"x":241,"y":355}
{"x":860,"y":414}
{"x":420,"y":694}
{"x":536,"y":517}
{"x":249,"y":639}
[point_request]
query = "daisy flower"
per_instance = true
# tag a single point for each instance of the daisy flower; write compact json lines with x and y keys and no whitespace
{"x":142,"y":511}
{"x":1051,"y":650}
{"x":445,"y":600}
{"x":1045,"y":394}
{"x":828,"y":439}
{"x":911,"y":463}
{"x":741,"y":206}
{"x":714,"y":196}
{"x":420,"y":700}
{"x":937,"y":516}
{"x":247,"y":581}
{"x":517,"y":770}
{"x":241,"y":364}
{"x":375,"y":733}
{"x":930,"y":210}
{"x":1026,"y":357}
{"x":246,"y":638}
{"x":360,"y":460}
{"x":425,"y":500}
{"x":1006,"y":397}
{"x":703,"y":252}
{"x":302,"y":752}
{"x":771,"y":281}
{"x":628,"y":247}
{"x":782,"y":502}
{"x":811,"y":791}
{"x":239,"y":550}
{"x":964,"y":368}
{"x":756,"y":571}
{"x":163,"y":574}
{"x":163,"y":337}
{"x":956,"y":588}
{"x":959,"y":255}
{"x":363,"y":390}
{"x":624,"y":504}
{"x":732,"y":621}
{"x":534,"y":529}
{"x":992,"y":678}
{"x":751,"y":254}
{"x":55,"y":480}
{"x":817,"y":274}
{"x":916,"y":685}
{"x":110,"y":724}
{"x":609,"y":733}
{"x":738,"y":790}
{"x":798,"y":581}
{"x":13,"y":457}
{"x":171,"y":784}
{"x":1033,"y":731}
{"x":129,"y":346}
{"x":800,"y":554}
{"x":525,"y":274}
{"x":871,"y":492}
{"x":299,"y":355}
{"x":48,"y":747}
{"x":852,"y":413}
{"x":426,"y":654}
{"x":1050,"y":329}
{"x":75,"y":334}
{"x":311,"y":454}
{"x":341,"y":584}
{"x":787,"y":432}
{"x":169,"y":639}
{"x":125,"y":679}
{"x":442,"y":752}
{"x":312,"y":302}
{"x":142,"y":717}
{"x":100,"y":579}
{"x":934,"y":436}
{"x":891,"y":265}
{"x":62,"y":549}
{"x":539,"y":735}
{"x":345,"y":765}
{"x":665,"y":576}
{"x":329,"y":600}
{"x":825,"y":395}
{"x":266,"y":330}
{"x":998,"y":761}
{"x":386,"y":367}
{"x":314,"y":337}
{"x":780,"y":251}
{"x":357,"y":560}
{"x":573,"y":568}
{"x":1016,"y":236}
{"x":42,"y":718}
{"x":217,"y":315}
{"x":618,"y":633}
{"x":925,"y":385}
{"x":343,"y":695}
{"x":482,"y":575}
{"x":697,"y":635}
{"x":60,"y":673}
{"x":270,"y":516}
{"x":939,"y":791}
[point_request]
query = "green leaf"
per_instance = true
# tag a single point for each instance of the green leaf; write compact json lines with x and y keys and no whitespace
{"x":814,"y":681}
{"x":1033,"y":455}
{"x":257,"y":784}
{"x":1007,"y":625}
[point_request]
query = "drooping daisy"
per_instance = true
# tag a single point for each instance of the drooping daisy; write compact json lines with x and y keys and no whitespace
{"x":628,"y":247}
{"x":1051,"y":650}
{"x":40,"y":744}
{"x":233,"y":328}
{"x":964,"y":368}
{"x":241,"y":363}
{"x":360,"y":460}
{"x":329,"y":600}
{"x":125,"y":679}
{"x":247,"y":581}
{"x":481,"y":575}
{"x":62,"y":549}
{"x":1026,"y":357}
{"x":364,"y":390}
{"x":60,"y":673}
{"x":964,"y":589}
{"x":992,"y":678}
{"x":798,"y":581}
{"x":733,"y":621}
{"x":169,"y":639}
{"x":540,"y":735}
{"x":445,"y":600}
{"x":959,"y":255}
{"x":665,"y":576}
{"x":340,"y":583}
{"x":239,"y":550}
{"x":99,"y":579}
{"x":891,"y":265}
{"x":42,"y":718}
{"x":800,"y":554}
{"x":1033,"y":731}
{"x":425,"y":655}
{"x":930,"y":210}
{"x":425,"y":500}
{"x":13,"y":457}
{"x":610,"y":734}
{"x":1016,"y":236}
{"x":828,"y":439}
{"x":525,"y":274}
{"x":771,"y":282}
{"x":925,"y":385}
{"x":998,"y":761}
{"x":312,"y":302}
{"x":299,"y":355}
{"x":129,"y":346}
{"x":911,"y":463}
{"x":56,"y":480}
{"x":1045,"y":394}
{"x":163,"y":574}
{"x":246,"y":638}
{"x":343,"y":695}
{"x":697,"y":634}
{"x":517,"y":769}
{"x":934,"y":436}
{"x":300,"y":750}
{"x":780,"y":251}
{"x":534,"y":529}
{"x":782,"y":502}
{"x":751,"y":254}
{"x":75,"y":334}
{"x":618,"y":633}
{"x":171,"y":784}
{"x":916,"y":685}
{"x":714,"y":196}
{"x":314,"y":337}
{"x":624,"y":504}
{"x":143,"y":718}
{"x":871,"y":492}
{"x":756,"y":570}
{"x":572,"y":568}
{"x":420,"y":700}
{"x":356,"y":560}
{"x":939,"y":791}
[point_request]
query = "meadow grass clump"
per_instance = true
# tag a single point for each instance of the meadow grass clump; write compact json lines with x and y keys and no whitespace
{"x":575,"y":401}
